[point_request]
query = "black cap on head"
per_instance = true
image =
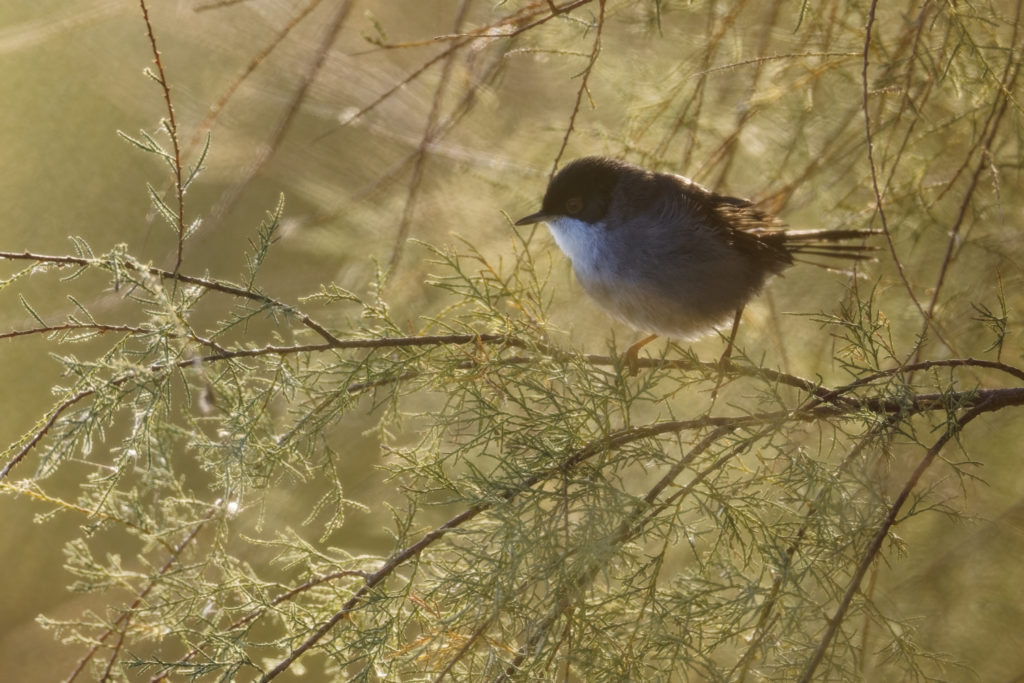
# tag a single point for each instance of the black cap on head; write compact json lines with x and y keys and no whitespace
{"x":581,"y":190}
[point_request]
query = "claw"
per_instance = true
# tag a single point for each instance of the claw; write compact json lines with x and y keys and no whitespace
{"x":631,"y":354}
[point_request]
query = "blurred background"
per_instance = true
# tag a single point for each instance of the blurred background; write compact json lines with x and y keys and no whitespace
{"x":381,"y":121}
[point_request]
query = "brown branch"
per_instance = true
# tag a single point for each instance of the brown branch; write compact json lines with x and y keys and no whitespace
{"x":594,"y":52}
{"x":465,"y":647}
{"x":42,"y":431}
{"x":821,"y":394}
{"x":172,"y":130}
{"x":830,"y":395}
{"x":458,"y":41}
{"x":764,"y":59}
{"x":430,"y":133}
{"x":103,"y":328}
{"x":915,"y":404}
{"x":436,"y":128}
{"x":122,"y":621}
{"x":283,"y":597}
{"x":781,"y":574}
{"x":1011,"y":59}
{"x":651,"y":508}
{"x":413,"y":551}
{"x":985,"y":401}
{"x":555,"y":10}
{"x":68,"y":327}
{"x":987,"y":398}
{"x":216,"y":4}
{"x":215,"y":285}
{"x":282,"y":126}
{"x":628,"y":529}
{"x":696,"y":101}
{"x":910,"y":102}
{"x":245,"y":353}
{"x":493,"y":30}
{"x":992,"y":128}
{"x":254,"y":63}
{"x":880,"y":535}
{"x":386,"y":569}
{"x":516,"y":18}
{"x":744,"y":115}
{"x":870,"y":149}
{"x":380,"y":99}
{"x":441,"y":129}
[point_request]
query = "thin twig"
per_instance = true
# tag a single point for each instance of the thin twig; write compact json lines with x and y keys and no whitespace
{"x":992,"y":126}
{"x":217,"y":107}
{"x":122,"y":621}
{"x":172,"y":130}
{"x":430,"y":132}
{"x":986,"y":401}
{"x":30,"y":490}
{"x":208,"y":283}
{"x":253,"y":614}
{"x":585,"y":77}
{"x":386,"y":569}
{"x":875,"y":546}
{"x":103,"y":328}
{"x":283,"y":125}
{"x":758,"y":61}
{"x":870,"y":149}
{"x":42,"y":431}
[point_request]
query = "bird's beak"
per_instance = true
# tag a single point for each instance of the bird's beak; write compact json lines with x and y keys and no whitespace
{"x":533,"y":218}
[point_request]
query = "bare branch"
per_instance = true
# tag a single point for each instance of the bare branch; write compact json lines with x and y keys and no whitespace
{"x":215,"y":285}
{"x":871,"y":554}
{"x":595,"y":50}
{"x":120,"y":625}
{"x":172,"y":130}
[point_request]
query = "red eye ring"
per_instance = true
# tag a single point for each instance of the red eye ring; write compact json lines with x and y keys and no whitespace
{"x":573,"y":205}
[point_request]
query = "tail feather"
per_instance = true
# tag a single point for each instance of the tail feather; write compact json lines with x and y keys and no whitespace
{"x":846,"y":251}
{"x":828,"y":235}
{"x":829,"y":244}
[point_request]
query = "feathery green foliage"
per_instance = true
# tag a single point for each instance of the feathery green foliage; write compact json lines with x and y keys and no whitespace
{"x":536,"y":513}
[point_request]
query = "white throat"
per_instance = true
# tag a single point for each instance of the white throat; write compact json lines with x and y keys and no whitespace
{"x":582,"y":242}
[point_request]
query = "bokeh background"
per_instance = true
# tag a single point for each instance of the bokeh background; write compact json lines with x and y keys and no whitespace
{"x":353,"y":113}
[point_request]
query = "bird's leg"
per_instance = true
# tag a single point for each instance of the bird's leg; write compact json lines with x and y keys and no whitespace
{"x":632,"y":351}
{"x":724,"y":360}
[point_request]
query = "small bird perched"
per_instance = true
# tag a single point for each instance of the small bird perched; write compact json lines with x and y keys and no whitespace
{"x":666,"y":255}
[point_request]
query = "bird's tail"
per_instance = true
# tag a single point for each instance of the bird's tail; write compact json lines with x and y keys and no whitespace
{"x":833,"y":244}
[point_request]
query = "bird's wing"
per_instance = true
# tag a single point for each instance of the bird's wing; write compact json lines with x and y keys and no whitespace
{"x":757,"y":233}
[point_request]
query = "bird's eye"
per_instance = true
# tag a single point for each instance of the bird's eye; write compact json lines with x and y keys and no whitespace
{"x":573,"y":205}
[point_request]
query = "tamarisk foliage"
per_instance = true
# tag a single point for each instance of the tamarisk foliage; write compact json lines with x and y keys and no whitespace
{"x":328,"y":486}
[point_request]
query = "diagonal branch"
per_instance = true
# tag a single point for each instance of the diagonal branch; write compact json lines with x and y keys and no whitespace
{"x":209,"y":283}
{"x":870,"y":149}
{"x":595,"y":51}
{"x":430,"y":133}
{"x":992,"y":124}
{"x":255,"y":613}
{"x":172,"y":130}
{"x":875,"y":546}
{"x":121,"y":624}
{"x":986,"y":401}
{"x":284,"y":124}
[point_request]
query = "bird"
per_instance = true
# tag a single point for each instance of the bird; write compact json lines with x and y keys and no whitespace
{"x":670,"y":257}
